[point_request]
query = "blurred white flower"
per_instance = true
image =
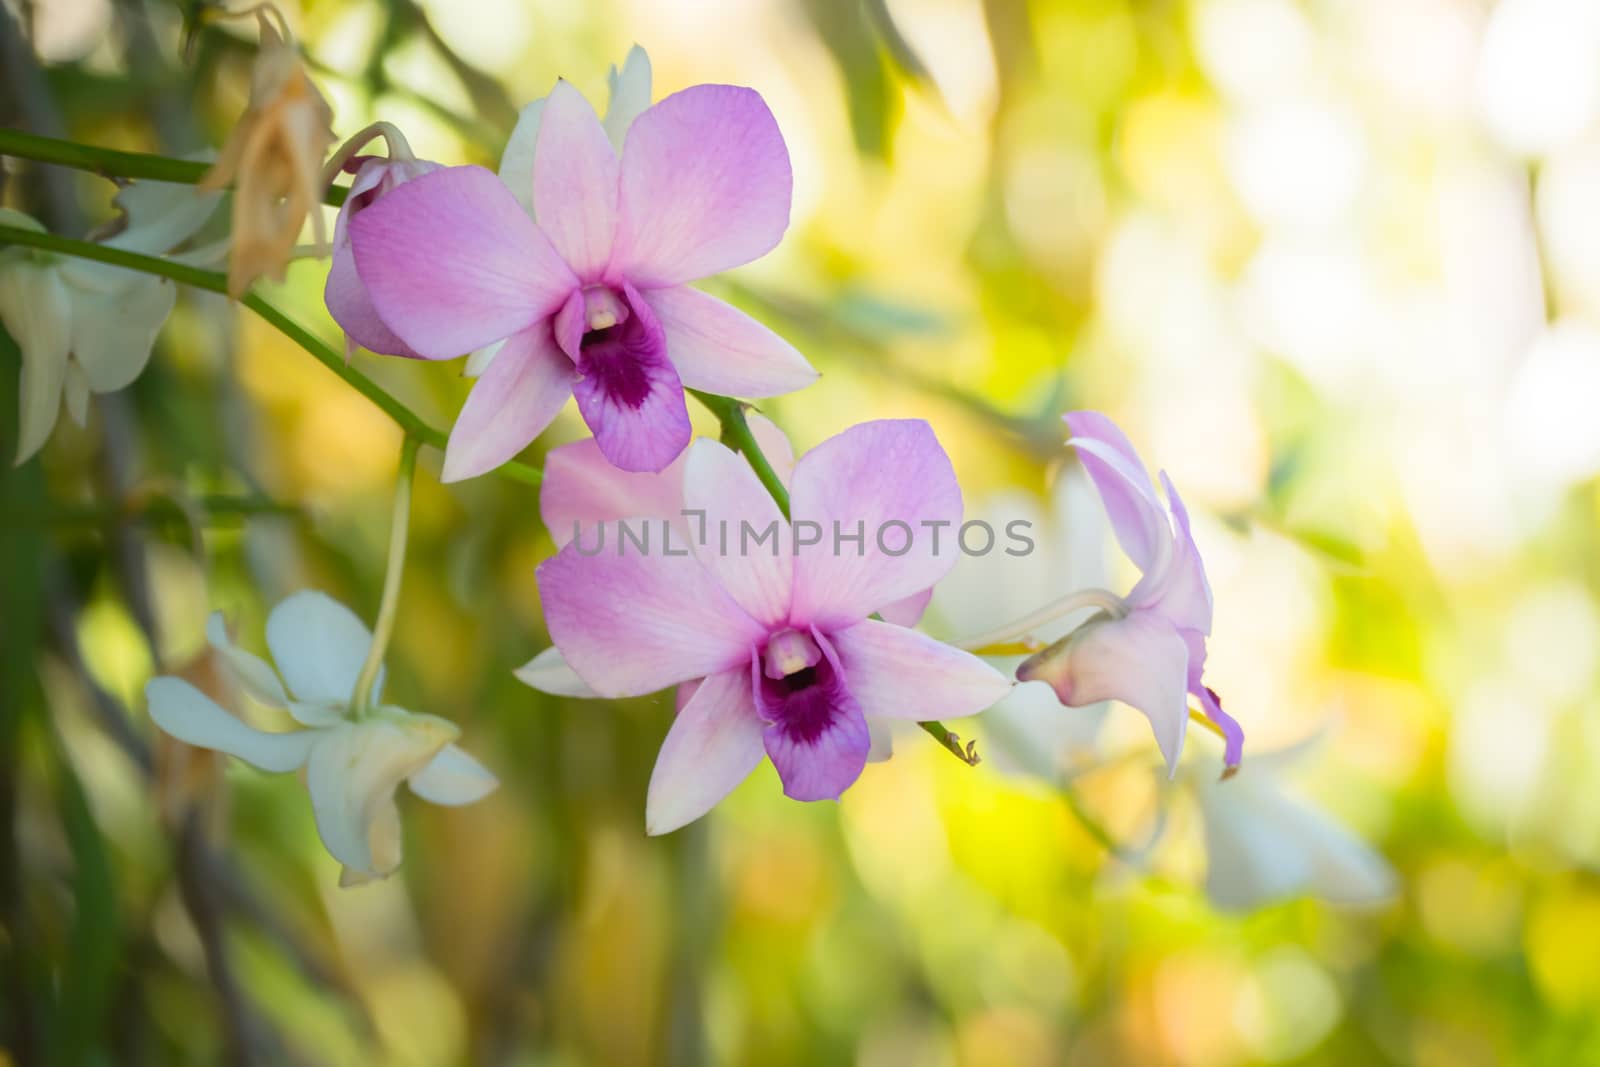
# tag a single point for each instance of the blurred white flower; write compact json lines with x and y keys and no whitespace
{"x":353,"y":763}
{"x":1264,"y":845}
{"x":85,"y":327}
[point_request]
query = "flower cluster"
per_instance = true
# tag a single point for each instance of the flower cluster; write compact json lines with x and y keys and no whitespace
{"x":567,"y":275}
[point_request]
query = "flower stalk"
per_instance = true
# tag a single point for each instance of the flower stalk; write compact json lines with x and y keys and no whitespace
{"x":388,"y":607}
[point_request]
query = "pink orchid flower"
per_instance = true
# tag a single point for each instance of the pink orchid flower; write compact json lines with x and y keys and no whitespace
{"x":1149,"y":650}
{"x":786,"y":661}
{"x":347,"y":299}
{"x":592,"y":299}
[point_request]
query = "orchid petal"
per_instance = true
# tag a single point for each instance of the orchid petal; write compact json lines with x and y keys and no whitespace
{"x":630,"y":396}
{"x":549,"y":673}
{"x":630,"y":95}
{"x":896,"y":673}
{"x":36,"y":311}
{"x":876,"y":477}
{"x":114,"y":329}
{"x":581,"y":490}
{"x":705,"y":186}
{"x":1140,"y":660}
{"x":353,"y":772}
{"x":721,"y":489}
{"x":1137,"y":517}
{"x":516,"y":162}
{"x":319,"y":646}
{"x":453,"y":778}
{"x":351,"y":307}
{"x":161,"y":215}
{"x":907,"y":610}
{"x":720,"y":349}
{"x":575,"y":182}
{"x":822,"y":766}
{"x":452,"y":262}
{"x":631,"y":623}
{"x":195,"y":719}
{"x":75,"y":390}
{"x":520,"y":394}
{"x":714,"y":744}
{"x":1179,"y":590}
{"x":256,"y":677}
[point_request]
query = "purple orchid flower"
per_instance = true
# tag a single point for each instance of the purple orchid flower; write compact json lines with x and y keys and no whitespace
{"x":347,"y":299}
{"x":1150,"y":650}
{"x":592,"y":299}
{"x":786,"y":660}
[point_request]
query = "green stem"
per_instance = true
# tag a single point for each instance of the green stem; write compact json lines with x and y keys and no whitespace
{"x":399,"y":526}
{"x":216,"y":282}
{"x":736,"y":435}
{"x":114,"y":163}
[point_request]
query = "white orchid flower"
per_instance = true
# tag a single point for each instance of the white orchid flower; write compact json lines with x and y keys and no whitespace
{"x":86,"y":327}
{"x":353,"y":763}
{"x":1029,"y":732}
{"x":1264,"y":845}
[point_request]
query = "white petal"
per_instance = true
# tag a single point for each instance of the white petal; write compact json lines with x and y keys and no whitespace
{"x":548,"y":672}
{"x":253,"y":673}
{"x":353,"y":773}
{"x":194,"y":718}
{"x":161,"y":215}
{"x":76,"y":388}
{"x":37,"y":313}
{"x":516,"y":163}
{"x":115,"y":322}
{"x":319,"y":646}
{"x":453,"y":778}
{"x":630,"y":94}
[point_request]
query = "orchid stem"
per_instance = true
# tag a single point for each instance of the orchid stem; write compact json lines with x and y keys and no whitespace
{"x":1103,"y":599}
{"x":736,"y":434}
{"x":114,"y":163}
{"x":399,"y":527}
{"x":216,"y":282}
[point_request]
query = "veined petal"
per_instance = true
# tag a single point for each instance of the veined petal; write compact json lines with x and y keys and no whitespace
{"x":255,"y":676}
{"x":907,"y":610}
{"x":720,"y":349}
{"x":896,"y":673}
{"x":737,"y":510}
{"x":582,"y":489}
{"x":453,"y":778}
{"x":1140,"y":660}
{"x":549,"y":673}
{"x":630,"y":95}
{"x":37,"y":313}
{"x":1178,"y":590}
{"x":714,"y":744}
{"x":631,"y":623}
{"x":890,"y":480}
{"x":575,"y":182}
{"x":319,"y":646}
{"x":705,"y":186}
{"x":452,"y":262}
{"x":817,"y":736}
{"x":195,"y":719}
{"x":516,"y":163}
{"x":630,"y":395}
{"x":1137,"y":517}
{"x":353,"y":772}
{"x":520,"y":394}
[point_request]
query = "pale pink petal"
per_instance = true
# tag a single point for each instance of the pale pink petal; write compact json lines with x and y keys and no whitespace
{"x":1137,"y":517}
{"x":705,"y":186}
{"x":907,"y":610}
{"x":352,"y":309}
{"x":575,"y":182}
{"x":892,"y":482}
{"x":630,"y":396}
{"x":517,"y":397}
{"x":739,"y":533}
{"x":632,"y":623}
{"x":1140,"y":660}
{"x":452,"y":262}
{"x":1178,"y":590}
{"x":714,"y":744}
{"x":720,"y":349}
{"x":581,"y":490}
{"x":896,"y":673}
